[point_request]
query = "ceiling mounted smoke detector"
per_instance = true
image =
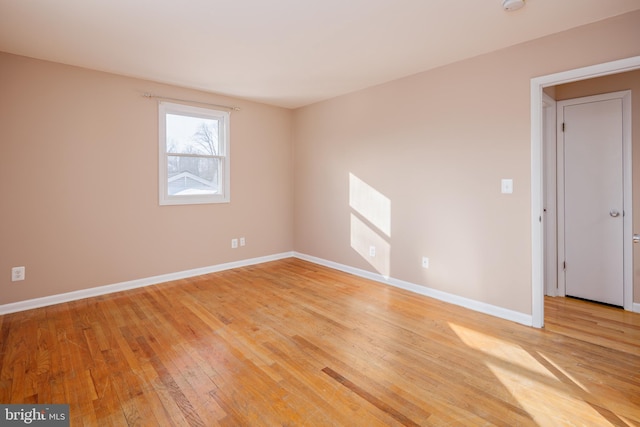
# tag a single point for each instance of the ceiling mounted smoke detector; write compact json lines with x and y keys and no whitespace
{"x":510,"y":5}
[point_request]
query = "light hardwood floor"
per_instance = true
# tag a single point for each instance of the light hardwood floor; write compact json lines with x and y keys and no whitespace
{"x":296,"y":344}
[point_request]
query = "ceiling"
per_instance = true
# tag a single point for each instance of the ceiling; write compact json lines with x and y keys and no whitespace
{"x":288,"y":53}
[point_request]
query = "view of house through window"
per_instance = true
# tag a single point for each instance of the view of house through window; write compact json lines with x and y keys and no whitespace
{"x":194,"y":155}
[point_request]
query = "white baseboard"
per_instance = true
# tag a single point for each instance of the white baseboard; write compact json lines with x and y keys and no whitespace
{"x":481,"y":307}
{"x":132,"y":284}
{"x":503,"y":313}
{"x":636,"y":307}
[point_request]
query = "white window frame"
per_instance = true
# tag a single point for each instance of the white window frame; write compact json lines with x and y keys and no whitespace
{"x":165,"y":108}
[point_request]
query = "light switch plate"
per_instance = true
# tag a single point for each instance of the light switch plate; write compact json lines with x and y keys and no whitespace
{"x":425,"y":262}
{"x":507,"y":186}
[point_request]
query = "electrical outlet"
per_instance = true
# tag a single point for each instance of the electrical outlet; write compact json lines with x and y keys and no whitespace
{"x":234,"y":243}
{"x":425,"y":262}
{"x":242,"y":241}
{"x":17,"y":274}
{"x":372,"y":251}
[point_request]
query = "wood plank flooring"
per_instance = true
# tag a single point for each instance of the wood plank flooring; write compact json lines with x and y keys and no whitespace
{"x":290,"y":343}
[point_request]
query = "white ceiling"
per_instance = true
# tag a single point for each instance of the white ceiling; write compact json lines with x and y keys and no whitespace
{"x":282,"y":52}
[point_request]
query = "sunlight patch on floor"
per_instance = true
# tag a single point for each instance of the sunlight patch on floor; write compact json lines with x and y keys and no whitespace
{"x":564,"y":372}
{"x":500,"y":350}
{"x":536,"y":389}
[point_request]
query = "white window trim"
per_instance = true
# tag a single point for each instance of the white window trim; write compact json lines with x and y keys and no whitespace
{"x":165,"y":108}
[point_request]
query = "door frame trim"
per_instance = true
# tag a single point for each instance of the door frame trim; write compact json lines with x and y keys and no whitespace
{"x":627,"y":195}
{"x":537,"y":164}
{"x":550,"y":207}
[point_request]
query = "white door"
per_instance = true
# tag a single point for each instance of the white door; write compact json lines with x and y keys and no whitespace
{"x":593,"y":198}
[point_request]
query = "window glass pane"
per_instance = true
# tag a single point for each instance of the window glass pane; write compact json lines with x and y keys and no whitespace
{"x":192,"y":135}
{"x":193,"y":175}
{"x":194,"y":165}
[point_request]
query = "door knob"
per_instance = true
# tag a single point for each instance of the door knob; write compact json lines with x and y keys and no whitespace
{"x":614,"y":213}
{"x":636,"y":238}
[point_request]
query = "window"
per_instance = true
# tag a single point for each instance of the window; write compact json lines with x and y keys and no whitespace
{"x":194,"y":155}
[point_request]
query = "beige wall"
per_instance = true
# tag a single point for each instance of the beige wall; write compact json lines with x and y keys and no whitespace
{"x":617,"y":82}
{"x":434,"y":147}
{"x":79,"y":183}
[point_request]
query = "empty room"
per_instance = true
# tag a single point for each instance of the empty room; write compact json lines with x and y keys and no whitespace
{"x":337,"y":213}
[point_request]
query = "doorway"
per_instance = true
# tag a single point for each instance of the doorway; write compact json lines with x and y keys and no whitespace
{"x":537,"y":181}
{"x":591,"y":147}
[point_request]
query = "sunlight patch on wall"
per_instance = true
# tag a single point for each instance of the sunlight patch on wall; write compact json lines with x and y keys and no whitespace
{"x":362,"y":238}
{"x":370,"y":204}
{"x":370,"y":224}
